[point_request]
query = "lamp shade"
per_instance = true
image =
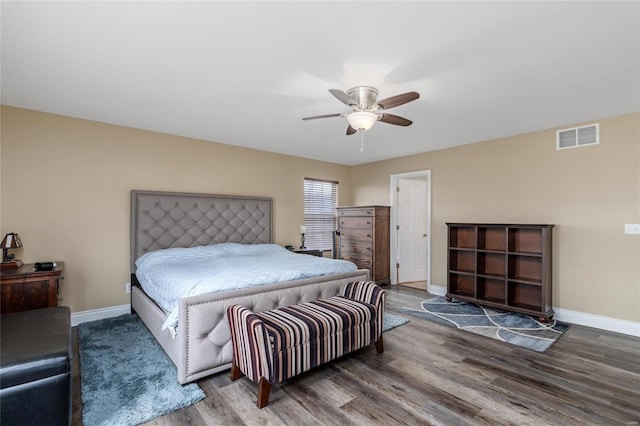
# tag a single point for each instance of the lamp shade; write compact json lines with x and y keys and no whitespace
{"x":11,"y":241}
{"x":362,"y":120}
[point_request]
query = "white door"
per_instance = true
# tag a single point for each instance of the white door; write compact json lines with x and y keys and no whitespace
{"x":412,"y":229}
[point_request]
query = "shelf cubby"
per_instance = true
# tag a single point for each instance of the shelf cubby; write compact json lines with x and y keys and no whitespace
{"x":462,"y":261}
{"x":462,"y":237}
{"x":493,"y":239}
{"x":462,"y":284}
{"x":525,"y":296}
{"x":525,"y":240}
{"x":491,"y":290}
{"x":491,"y":264}
{"x":525,"y":268}
{"x":505,"y":266}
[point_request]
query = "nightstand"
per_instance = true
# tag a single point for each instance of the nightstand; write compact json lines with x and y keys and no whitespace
{"x":309,"y":251}
{"x":24,"y":288}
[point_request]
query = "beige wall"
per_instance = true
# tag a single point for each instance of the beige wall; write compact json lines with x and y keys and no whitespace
{"x":589,"y":193}
{"x":65,"y":189}
{"x":66,"y":185}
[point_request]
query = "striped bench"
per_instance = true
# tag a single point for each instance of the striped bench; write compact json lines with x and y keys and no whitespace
{"x":272,"y":346}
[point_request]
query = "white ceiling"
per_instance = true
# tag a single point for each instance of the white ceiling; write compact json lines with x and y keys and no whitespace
{"x":245,"y":73}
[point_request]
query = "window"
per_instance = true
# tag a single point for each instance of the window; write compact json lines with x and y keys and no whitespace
{"x":320,"y":199}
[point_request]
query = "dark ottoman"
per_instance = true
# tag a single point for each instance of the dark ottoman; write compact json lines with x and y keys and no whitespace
{"x":35,"y":367}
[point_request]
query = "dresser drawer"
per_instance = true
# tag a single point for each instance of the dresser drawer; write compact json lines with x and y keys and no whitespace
{"x":352,"y":245}
{"x":357,"y":212}
{"x":359,"y":234}
{"x":346,"y":223}
{"x":363,"y":262}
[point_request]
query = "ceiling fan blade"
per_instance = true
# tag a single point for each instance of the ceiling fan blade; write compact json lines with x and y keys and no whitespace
{"x":350,"y":130}
{"x":343,"y":97}
{"x":398,"y":100}
{"x":315,"y":117}
{"x":394,"y":119}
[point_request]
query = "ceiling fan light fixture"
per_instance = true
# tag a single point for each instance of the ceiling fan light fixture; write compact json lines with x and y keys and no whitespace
{"x":362,"y":120}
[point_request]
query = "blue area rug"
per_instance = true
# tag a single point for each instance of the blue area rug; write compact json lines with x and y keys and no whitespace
{"x":510,"y":327}
{"x":392,"y":321}
{"x":126,"y":377}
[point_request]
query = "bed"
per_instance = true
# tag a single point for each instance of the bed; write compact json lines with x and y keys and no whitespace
{"x":201,"y":343}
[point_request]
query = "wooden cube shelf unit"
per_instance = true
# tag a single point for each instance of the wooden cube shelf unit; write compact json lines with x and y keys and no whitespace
{"x":504,"y":266}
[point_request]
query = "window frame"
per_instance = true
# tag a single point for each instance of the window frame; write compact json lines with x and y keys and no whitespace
{"x":320,"y":219}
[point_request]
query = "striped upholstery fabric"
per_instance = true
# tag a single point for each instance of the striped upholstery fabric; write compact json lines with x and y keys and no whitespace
{"x":372,"y":294}
{"x":284,"y":342}
{"x":252,"y":350}
{"x":309,"y":334}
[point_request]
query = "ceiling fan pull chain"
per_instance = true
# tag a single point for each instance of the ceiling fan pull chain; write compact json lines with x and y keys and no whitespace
{"x":361,"y":145}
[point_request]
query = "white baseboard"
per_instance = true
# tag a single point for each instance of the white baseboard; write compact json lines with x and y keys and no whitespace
{"x":97,"y":314}
{"x":597,"y":321}
{"x":437,"y":290}
{"x":581,"y":318}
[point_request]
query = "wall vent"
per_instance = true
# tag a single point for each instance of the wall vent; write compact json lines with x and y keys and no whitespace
{"x":578,"y":136}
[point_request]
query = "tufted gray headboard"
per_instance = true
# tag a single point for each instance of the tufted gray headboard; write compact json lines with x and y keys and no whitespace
{"x":175,"y":219}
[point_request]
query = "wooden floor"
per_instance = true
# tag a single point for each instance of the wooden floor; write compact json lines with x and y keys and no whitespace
{"x":418,"y":285}
{"x":432,"y":374}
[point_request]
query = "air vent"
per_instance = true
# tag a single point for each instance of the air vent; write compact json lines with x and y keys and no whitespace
{"x":578,"y":136}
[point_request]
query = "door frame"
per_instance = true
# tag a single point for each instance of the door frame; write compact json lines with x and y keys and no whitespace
{"x":394,"y":222}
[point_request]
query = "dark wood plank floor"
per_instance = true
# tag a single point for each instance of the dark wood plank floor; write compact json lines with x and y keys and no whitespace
{"x":432,"y":374}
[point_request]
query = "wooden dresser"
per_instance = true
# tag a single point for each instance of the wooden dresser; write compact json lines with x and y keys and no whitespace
{"x":364,"y":239}
{"x":25,"y":288}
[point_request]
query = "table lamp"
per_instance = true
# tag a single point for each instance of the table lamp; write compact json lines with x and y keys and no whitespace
{"x":10,"y":241}
{"x":303,"y":230}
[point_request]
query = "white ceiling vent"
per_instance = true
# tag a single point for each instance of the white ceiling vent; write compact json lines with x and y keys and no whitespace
{"x":578,"y":136}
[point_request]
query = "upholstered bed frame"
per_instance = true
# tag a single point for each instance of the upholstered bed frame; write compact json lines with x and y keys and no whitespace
{"x":202,"y":345}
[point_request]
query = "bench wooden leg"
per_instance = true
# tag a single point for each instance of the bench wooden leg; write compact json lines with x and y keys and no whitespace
{"x":264,"y":388}
{"x":235,"y":371}
{"x":379,"y":345}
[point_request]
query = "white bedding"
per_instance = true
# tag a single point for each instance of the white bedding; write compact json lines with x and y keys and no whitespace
{"x":170,"y":274}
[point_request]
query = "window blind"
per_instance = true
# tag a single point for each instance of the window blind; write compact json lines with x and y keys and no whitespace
{"x":320,"y":200}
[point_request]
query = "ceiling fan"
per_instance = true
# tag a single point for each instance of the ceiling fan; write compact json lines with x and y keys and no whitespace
{"x":367,"y":110}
